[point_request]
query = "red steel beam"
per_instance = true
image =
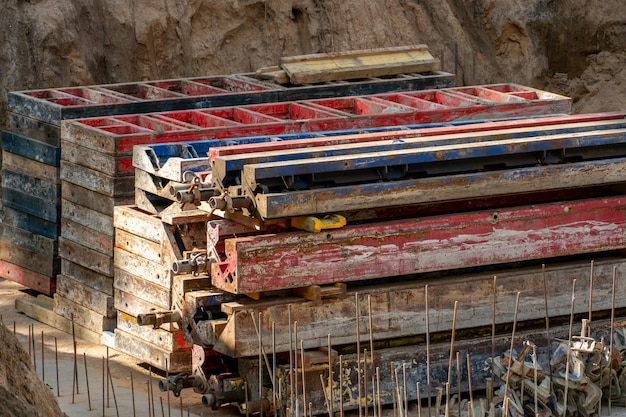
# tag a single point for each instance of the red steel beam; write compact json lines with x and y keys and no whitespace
{"x":362,"y":252}
{"x":423,"y":132}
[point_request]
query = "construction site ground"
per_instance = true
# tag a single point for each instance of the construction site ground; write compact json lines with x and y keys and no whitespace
{"x":128,"y":394}
{"x":120,"y":365}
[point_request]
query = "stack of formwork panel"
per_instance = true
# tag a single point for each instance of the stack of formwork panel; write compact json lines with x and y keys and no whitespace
{"x":546,"y":184}
{"x":463,"y":201}
{"x":154,"y":175}
{"x":32,"y":147}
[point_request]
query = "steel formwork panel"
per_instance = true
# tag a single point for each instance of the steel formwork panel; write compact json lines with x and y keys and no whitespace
{"x":117,"y":135}
{"x":170,"y":160}
{"x":54,"y":105}
{"x":270,"y":262}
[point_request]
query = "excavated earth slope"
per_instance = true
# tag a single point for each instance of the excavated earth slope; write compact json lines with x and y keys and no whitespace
{"x":22,"y":393}
{"x":576,"y":47}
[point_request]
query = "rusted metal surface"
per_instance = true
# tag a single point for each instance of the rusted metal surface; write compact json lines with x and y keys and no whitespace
{"x":355,"y":253}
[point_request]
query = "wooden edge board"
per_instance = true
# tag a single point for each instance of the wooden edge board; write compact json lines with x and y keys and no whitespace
{"x":31,"y":279}
{"x":43,"y":312}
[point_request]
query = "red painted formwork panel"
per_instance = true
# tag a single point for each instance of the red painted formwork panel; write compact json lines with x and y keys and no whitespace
{"x":371,"y":251}
{"x":117,"y":135}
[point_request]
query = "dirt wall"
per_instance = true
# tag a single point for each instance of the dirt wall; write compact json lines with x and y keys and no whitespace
{"x":571,"y":46}
{"x":22,"y":393}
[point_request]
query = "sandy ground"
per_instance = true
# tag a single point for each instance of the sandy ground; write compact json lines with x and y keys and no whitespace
{"x":121,"y":367}
{"x":128,"y":394}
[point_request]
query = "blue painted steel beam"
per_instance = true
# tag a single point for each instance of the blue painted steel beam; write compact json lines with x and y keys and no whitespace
{"x":226,"y":168}
{"x":254,"y":174}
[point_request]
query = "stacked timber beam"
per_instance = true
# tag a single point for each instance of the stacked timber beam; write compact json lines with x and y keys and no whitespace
{"x":157,"y":182}
{"x":32,"y":194}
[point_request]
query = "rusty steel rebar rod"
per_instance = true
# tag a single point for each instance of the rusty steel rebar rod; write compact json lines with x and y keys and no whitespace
{"x":43,"y":362}
{"x":103,"y":396}
{"x":612,"y":327}
{"x":34,"y":351}
{"x":304,"y":409}
{"x":167,"y":378}
{"x":508,"y":370}
{"x":470,"y":389}
{"x":493,"y":326}
{"x":330,"y":377}
{"x":358,"y":352}
{"x":341,"y":386}
{"x":547,"y":319}
{"x":56,"y":361}
{"x":590,"y":297}
{"x":291,"y":385}
{"x":569,"y":346}
{"x":295,"y":374}
{"x":428,"y":385}
{"x":419,"y":399}
{"x":87,"y":380}
{"x":132,"y":392}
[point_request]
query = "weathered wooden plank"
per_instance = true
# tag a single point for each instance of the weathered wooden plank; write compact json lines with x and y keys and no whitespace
{"x":446,"y":188}
{"x":186,"y":217}
{"x":30,"y":167}
{"x":154,"y":272}
{"x":168,"y":340}
{"x":139,"y":223}
{"x":44,"y":284}
{"x":22,"y":145}
{"x":84,"y":216}
{"x":87,"y":237}
{"x":48,"y":189}
{"x":148,"y":249}
{"x":173,"y":239}
{"x":31,"y":205}
{"x":338,"y":66}
{"x":82,"y":316}
{"x":93,"y":200}
{"x":27,"y":250}
{"x":87,"y":277}
{"x":96,"y":181}
{"x":101,"y":162}
{"x":29,"y":241}
{"x":96,"y":301}
{"x":34,"y":128}
{"x":86,"y":257}
{"x":398,"y":307}
{"x":133,"y":305}
{"x":152,"y":355}
{"x":41,"y":309}
{"x":156,"y":295}
{"x":30,"y":223}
